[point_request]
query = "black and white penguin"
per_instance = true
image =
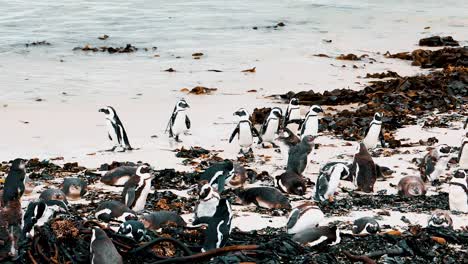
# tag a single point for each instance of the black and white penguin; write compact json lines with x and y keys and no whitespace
{"x":374,"y":133}
{"x":39,"y":213}
{"x":179,"y":122}
{"x":156,"y":220}
{"x":74,"y":188}
{"x":219,"y":226}
{"x":266,"y":197}
{"x":298,"y":155}
{"x":440,"y":218}
{"x":286,"y":140}
{"x":328,"y":181}
{"x":305,"y":216}
{"x":318,"y":236}
{"x":209,"y":200}
{"x":291,"y":182}
{"x":458,"y":192}
{"x":245,"y":131}
{"x":271,"y":126}
{"x":434,"y":163}
{"x":218,"y":173}
{"x":53,"y":194}
{"x":137,"y":188}
{"x":114,"y":210}
{"x":410,"y":186}
{"x":463,"y":154}
{"x":310,"y":126}
{"x":363,"y":170}
{"x":133,"y":229}
{"x":116,"y":130}
{"x":102,"y":249}
{"x":119,"y":176}
{"x":14,"y":183}
{"x":293,"y":113}
{"x":365,"y":225}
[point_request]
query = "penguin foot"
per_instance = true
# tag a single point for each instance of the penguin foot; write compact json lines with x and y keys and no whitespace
{"x":111,"y":150}
{"x":177,"y":139}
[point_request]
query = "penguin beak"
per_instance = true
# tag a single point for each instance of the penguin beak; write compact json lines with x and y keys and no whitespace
{"x":101,"y":110}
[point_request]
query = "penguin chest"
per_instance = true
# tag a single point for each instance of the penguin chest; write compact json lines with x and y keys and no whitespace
{"x":463,"y":161}
{"x":310,"y":127}
{"x":295,"y":114}
{"x":207,"y":208}
{"x":245,"y":134}
{"x":112,"y":132}
{"x":332,"y":185}
{"x":458,"y":199}
{"x":440,"y":167}
{"x":140,"y":200}
{"x":270,"y":132}
{"x":179,"y":125}
{"x":372,"y":138}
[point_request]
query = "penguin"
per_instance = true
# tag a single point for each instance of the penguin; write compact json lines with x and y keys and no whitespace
{"x":159,"y":219}
{"x":435,"y":163}
{"x":365,"y":225}
{"x":53,"y":194}
{"x":114,"y":210}
{"x":218,"y":173}
{"x":28,"y":185}
{"x":39,"y":212}
{"x":291,"y":182}
{"x":363,"y":170}
{"x":116,"y":130}
{"x":318,"y":236}
{"x":293,"y":113}
{"x":219,"y":226}
{"x":286,"y":140}
{"x":328,"y":181}
{"x":102,"y":249}
{"x":74,"y":188}
{"x":266,"y":197}
{"x":137,"y":188}
{"x":310,"y":126}
{"x":132,"y":229}
{"x":440,"y":218}
{"x":410,"y":186}
{"x":238,"y":177}
{"x":458,"y":192}
{"x":245,"y":132}
{"x":208,"y":202}
{"x":14,"y":183}
{"x":374,"y":133}
{"x":119,"y":176}
{"x":298,"y":155}
{"x":305,"y":216}
{"x":463,"y":154}
{"x":179,"y":122}
{"x":271,"y":126}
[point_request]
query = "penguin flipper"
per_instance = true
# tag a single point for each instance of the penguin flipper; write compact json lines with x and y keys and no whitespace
{"x":201,"y":220}
{"x":117,"y":132}
{"x":293,"y":218}
{"x":234,"y":133}
{"x":322,"y":183}
{"x":255,"y":133}
{"x":366,"y":131}
{"x":110,"y":138}
{"x":187,"y":122}
{"x":125,"y":138}
{"x":382,"y":140}
{"x":130,"y":197}
{"x":264,"y":126}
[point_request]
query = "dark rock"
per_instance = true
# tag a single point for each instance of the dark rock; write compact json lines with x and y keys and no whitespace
{"x":437,"y":41}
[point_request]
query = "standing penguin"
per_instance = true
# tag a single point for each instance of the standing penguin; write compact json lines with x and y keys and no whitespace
{"x":435,"y":163}
{"x":271,"y":126}
{"x":14,"y":182}
{"x":293,"y":113}
{"x":74,"y":188}
{"x":209,"y":200}
{"x":458,"y":192}
{"x":217,"y":174}
{"x":363,"y":170}
{"x":245,"y":131}
{"x":463,"y":154}
{"x":286,"y":141}
{"x":116,"y":130}
{"x":137,"y":188}
{"x":310,"y":126}
{"x":102,"y":249}
{"x":328,"y":181}
{"x":374,"y":133}
{"x":305,"y":216}
{"x":179,"y":122}
{"x":298,"y":155}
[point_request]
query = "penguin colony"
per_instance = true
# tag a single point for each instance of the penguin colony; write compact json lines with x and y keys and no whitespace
{"x":290,"y":133}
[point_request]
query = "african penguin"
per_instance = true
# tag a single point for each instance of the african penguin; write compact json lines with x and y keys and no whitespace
{"x":137,"y":188}
{"x":74,"y":188}
{"x":463,"y":154}
{"x":291,"y":182}
{"x":114,"y":210}
{"x":363,"y":170}
{"x":238,"y":177}
{"x":39,"y":213}
{"x":133,"y":229}
{"x":245,"y":132}
{"x":208,"y":202}
{"x":119,"y":176}
{"x":218,"y":173}
{"x":266,"y":197}
{"x":28,"y":185}
{"x":286,"y":140}
{"x":102,"y":249}
{"x":310,"y":126}
{"x":179,"y":122}
{"x":365,"y":225}
{"x":458,"y":192}
{"x":374,"y":133}
{"x":156,"y":220}
{"x":298,"y":155}
{"x":440,"y":218}
{"x":14,"y":183}
{"x":410,"y":186}
{"x":53,"y":194}
{"x":115,"y":130}
{"x":293,"y":114}
{"x":328,"y":181}
{"x":305,"y":216}
{"x":271,"y":126}
{"x":434,"y":163}
{"x":318,"y":236}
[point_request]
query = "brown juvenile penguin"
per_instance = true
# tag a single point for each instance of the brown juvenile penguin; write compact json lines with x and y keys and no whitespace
{"x":266,"y":197}
{"x":291,"y":182}
{"x":363,"y":170}
{"x":158,"y":219}
{"x":239,"y":176}
{"x":410,"y":186}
